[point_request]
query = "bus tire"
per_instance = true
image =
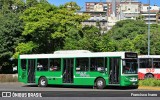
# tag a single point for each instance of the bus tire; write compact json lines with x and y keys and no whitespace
{"x":135,"y":87}
{"x":42,"y":82}
{"x":149,"y":76}
{"x":100,"y":83}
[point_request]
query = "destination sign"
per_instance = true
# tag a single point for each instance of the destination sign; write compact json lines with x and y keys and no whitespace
{"x":131,"y":55}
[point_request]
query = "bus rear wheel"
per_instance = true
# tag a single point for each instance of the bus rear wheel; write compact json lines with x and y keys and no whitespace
{"x":149,"y":76}
{"x":42,"y":82}
{"x":100,"y":83}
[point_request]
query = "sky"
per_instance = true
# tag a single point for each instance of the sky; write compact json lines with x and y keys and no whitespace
{"x":81,"y":3}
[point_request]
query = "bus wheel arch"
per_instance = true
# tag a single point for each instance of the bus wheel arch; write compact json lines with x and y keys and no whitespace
{"x":100,"y":83}
{"x":42,"y":81}
{"x":148,"y":75}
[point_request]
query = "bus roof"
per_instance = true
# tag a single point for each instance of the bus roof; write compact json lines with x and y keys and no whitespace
{"x":73,"y":55}
{"x":149,"y":56}
{"x":71,"y":51}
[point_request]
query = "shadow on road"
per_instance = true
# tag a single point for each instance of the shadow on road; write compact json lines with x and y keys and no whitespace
{"x":83,"y":87}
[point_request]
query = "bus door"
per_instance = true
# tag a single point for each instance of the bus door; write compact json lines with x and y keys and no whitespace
{"x":31,"y":71}
{"x":68,"y":70}
{"x":22,"y":70}
{"x":114,"y":70}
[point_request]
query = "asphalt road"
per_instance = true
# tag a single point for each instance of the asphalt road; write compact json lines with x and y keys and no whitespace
{"x":23,"y":87}
{"x":72,"y":93}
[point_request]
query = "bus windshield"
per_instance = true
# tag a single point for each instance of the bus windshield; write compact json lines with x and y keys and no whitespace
{"x":130,"y":66}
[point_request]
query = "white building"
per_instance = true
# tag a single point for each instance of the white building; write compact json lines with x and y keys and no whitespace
{"x":153,"y":13}
{"x":129,"y":10}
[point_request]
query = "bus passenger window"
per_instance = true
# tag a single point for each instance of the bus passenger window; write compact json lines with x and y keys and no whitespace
{"x":42,"y":64}
{"x":145,"y":63}
{"x":55,"y":65}
{"x":82,"y":64}
{"x":156,"y":63}
{"x":23,"y":64}
{"x":97,"y":64}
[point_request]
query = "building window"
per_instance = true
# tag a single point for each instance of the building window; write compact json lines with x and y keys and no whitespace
{"x":103,"y":23}
{"x":148,"y":7}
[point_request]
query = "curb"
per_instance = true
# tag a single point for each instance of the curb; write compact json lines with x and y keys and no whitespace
{"x":149,"y":88}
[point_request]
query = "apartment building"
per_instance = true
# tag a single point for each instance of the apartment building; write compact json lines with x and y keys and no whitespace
{"x":96,"y":6}
{"x":152,"y":15}
{"x":129,"y":9}
{"x":98,"y":15}
{"x":109,"y":12}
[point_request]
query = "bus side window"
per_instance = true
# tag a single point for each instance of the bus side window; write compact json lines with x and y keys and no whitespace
{"x":42,"y":64}
{"x":149,"y":63}
{"x":145,"y":63}
{"x":55,"y":64}
{"x":82,"y":64}
{"x":23,"y":64}
{"x":156,"y":63}
{"x":97,"y":64}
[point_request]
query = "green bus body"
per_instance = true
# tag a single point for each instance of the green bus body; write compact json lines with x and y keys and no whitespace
{"x":85,"y":78}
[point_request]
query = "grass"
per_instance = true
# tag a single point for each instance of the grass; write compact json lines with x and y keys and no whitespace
{"x":149,"y":82}
{"x":8,"y":78}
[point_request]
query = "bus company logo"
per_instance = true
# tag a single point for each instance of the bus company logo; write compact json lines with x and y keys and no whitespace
{"x":150,"y":70}
{"x":6,"y":94}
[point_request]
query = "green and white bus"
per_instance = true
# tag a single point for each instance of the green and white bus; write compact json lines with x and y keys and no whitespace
{"x":79,"y":67}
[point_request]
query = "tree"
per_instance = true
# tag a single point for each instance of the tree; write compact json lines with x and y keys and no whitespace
{"x":11,"y":28}
{"x":155,"y":39}
{"x":126,"y":35}
{"x":31,"y":3}
{"x":47,"y":26}
{"x":141,"y":18}
{"x":72,"y":6}
{"x":88,"y":39}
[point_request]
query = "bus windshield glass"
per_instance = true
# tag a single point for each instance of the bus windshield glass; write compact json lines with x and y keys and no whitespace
{"x":130,"y":66}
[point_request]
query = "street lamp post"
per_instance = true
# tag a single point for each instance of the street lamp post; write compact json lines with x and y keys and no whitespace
{"x":149,"y":29}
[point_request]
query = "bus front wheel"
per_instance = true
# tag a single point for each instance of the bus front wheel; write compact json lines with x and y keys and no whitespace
{"x":42,"y":82}
{"x":100,"y":83}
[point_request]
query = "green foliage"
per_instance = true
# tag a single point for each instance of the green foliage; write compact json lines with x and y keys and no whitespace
{"x":35,"y":26}
{"x":31,"y":3}
{"x":23,"y":48}
{"x":48,"y":25}
{"x":126,"y":35}
{"x":72,"y":6}
{"x":140,"y":18}
{"x":87,"y":39}
{"x":140,"y":44}
{"x":10,"y":35}
{"x":149,"y":82}
{"x":155,"y":39}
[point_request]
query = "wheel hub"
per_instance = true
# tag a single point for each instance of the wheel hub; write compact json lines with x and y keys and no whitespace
{"x":99,"y":83}
{"x":43,"y":82}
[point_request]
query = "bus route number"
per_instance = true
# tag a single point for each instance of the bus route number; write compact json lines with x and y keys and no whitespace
{"x":150,"y":70}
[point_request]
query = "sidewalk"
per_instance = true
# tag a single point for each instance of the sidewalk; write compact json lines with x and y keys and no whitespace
{"x":149,"y":88}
